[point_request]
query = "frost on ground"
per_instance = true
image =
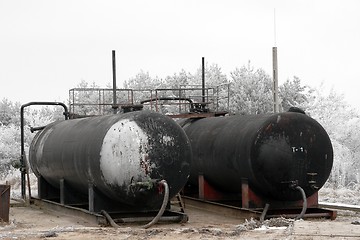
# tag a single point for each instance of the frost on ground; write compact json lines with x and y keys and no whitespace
{"x":27,"y":227}
{"x":346,"y":195}
{"x":274,"y":223}
{"x":13,"y":178}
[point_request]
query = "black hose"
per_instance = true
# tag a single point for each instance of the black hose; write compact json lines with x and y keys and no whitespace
{"x":263,"y":214}
{"x":163,"y":206}
{"x":155,"y":219}
{"x":303,"y":211}
{"x":109,"y":219}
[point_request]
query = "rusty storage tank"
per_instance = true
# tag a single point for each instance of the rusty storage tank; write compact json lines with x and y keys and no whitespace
{"x":274,"y":152}
{"x":111,"y":159}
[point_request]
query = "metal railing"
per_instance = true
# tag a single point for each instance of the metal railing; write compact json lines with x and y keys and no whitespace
{"x":99,"y":101}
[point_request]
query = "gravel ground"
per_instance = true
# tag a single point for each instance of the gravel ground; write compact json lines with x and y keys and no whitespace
{"x":36,"y":223}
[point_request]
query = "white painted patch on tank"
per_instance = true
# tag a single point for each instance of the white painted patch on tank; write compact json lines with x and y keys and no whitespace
{"x":123,"y":156}
{"x":278,"y":119}
{"x":168,"y":140}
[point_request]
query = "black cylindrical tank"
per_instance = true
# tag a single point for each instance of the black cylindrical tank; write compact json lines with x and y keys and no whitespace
{"x":116,"y":154}
{"x":273,"y":152}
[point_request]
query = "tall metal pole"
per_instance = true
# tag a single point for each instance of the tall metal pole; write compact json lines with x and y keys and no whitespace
{"x":115,"y":107}
{"x":275,"y":80}
{"x":203,"y":79}
{"x":275,"y":71}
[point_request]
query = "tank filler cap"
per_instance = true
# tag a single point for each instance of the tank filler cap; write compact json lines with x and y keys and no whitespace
{"x":132,"y":107}
{"x":296,"y":109}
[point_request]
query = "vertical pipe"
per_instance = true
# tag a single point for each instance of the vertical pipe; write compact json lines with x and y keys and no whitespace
{"x":114,"y":82}
{"x":22,"y":154}
{"x":70,"y":99}
{"x":156,"y":102}
{"x":104,"y":100}
{"x":151,"y":102}
{"x":99,"y":101}
{"x":275,"y":80}
{"x":132,"y":96}
{"x":180,"y":102}
{"x":23,"y":167}
{"x":228,"y":97}
{"x":203,"y":79}
{"x":217,"y":98}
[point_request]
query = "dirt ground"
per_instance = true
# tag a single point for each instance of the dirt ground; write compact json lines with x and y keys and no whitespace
{"x":36,"y":223}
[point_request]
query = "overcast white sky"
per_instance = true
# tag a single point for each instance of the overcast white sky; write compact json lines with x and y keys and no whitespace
{"x":49,"y":46}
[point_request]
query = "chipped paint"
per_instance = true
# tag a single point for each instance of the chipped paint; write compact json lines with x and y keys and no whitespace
{"x":123,"y":156}
{"x":120,"y":158}
{"x":168,"y":140}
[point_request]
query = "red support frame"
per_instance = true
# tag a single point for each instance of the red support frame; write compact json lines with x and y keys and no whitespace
{"x":249,"y":199}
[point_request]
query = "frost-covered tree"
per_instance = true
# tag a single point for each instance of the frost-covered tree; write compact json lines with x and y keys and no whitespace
{"x":251,"y":91}
{"x":10,"y":142}
{"x":9,"y":147}
{"x":86,"y":100}
{"x":144,"y":82}
{"x":9,"y":112}
{"x":41,"y":116}
{"x":214,"y":81}
{"x":213,"y":76}
{"x":342,"y":123}
{"x":176,"y":82}
{"x":293,"y":94}
{"x":179,"y":80}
